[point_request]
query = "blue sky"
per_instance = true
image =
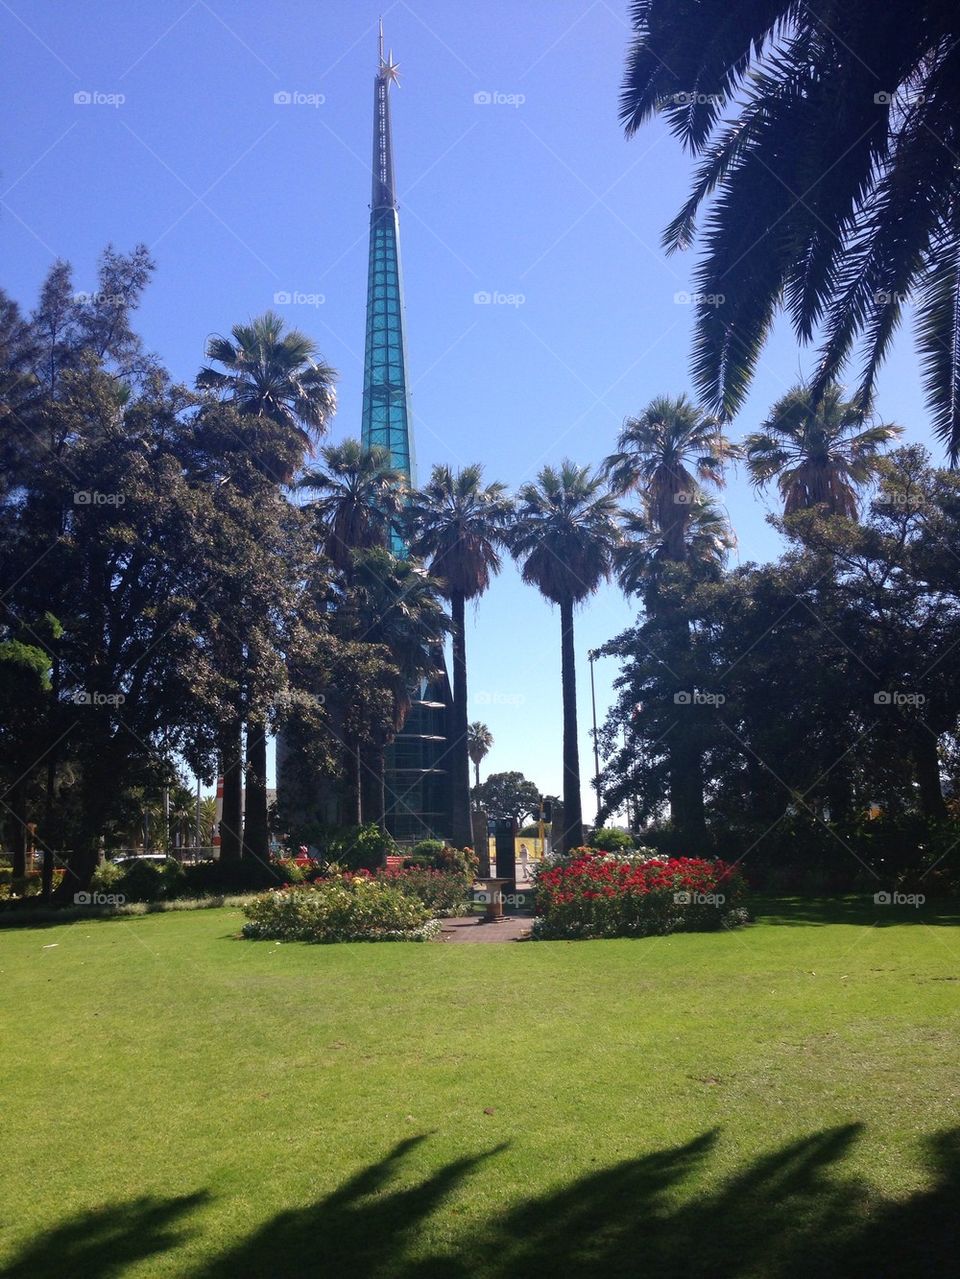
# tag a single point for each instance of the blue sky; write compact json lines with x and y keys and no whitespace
{"x":514,"y":180}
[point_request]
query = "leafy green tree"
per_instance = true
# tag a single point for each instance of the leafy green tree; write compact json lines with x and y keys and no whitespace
{"x":458,"y":526}
{"x":826,"y":138}
{"x":564,"y":536}
{"x":821,"y":453}
{"x":505,"y":795}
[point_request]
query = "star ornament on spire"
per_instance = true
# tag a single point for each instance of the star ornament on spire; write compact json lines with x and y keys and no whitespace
{"x":390,"y":70}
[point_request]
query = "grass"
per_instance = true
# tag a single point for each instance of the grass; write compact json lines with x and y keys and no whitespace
{"x":769,"y":1102}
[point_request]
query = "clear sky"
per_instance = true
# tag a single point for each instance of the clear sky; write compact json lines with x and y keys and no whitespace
{"x":514,"y":180}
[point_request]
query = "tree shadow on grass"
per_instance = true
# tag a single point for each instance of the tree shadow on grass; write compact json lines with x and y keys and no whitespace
{"x":104,"y":1241}
{"x":787,"y":1214}
{"x":859,"y":910}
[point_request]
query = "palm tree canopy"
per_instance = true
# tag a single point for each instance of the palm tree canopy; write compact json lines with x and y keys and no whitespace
{"x":665,"y":454}
{"x":819,"y":451}
{"x":643,"y":558}
{"x":479,"y":741}
{"x":827,"y":138}
{"x":361,"y":494}
{"x":458,"y":525}
{"x":397,"y":604}
{"x":565,"y":532}
{"x":274,"y":374}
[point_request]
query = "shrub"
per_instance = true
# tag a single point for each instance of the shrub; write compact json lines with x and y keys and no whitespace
{"x":595,"y":894}
{"x":427,"y":850}
{"x":214,"y":878}
{"x":141,"y":881}
{"x":359,"y":847}
{"x":609,"y":840}
{"x":347,"y":908}
{"x":442,"y":892}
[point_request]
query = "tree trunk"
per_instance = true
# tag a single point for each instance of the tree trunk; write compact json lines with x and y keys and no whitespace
{"x":46,"y":866}
{"x":256,"y":824}
{"x":927,"y":763}
{"x":353,"y":810}
{"x":459,"y":755}
{"x":571,"y":836}
{"x":231,"y":822}
{"x":17,"y":827}
{"x":685,"y":762}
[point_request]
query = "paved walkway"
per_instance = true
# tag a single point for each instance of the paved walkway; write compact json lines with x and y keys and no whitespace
{"x":467,"y":928}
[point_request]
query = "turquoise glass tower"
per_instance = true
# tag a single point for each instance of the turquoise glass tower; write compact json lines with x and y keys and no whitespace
{"x":386,"y":397}
{"x":417,"y":798}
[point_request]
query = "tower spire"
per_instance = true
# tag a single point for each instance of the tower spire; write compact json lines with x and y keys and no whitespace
{"x":386,"y":409}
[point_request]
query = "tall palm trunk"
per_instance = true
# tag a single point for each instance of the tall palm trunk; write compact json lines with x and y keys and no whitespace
{"x":256,"y":826}
{"x":353,"y":808}
{"x":459,"y":746}
{"x":572,"y":834}
{"x":231,"y":822}
{"x":685,"y":760}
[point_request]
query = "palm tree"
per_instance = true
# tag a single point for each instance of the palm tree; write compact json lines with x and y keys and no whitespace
{"x":458,"y":526}
{"x":397,"y":605}
{"x":361,"y":495}
{"x":479,"y":744}
{"x":277,"y":376}
{"x":821,"y":452}
{"x":827,"y":138}
{"x":271,"y":376}
{"x":642,"y":559}
{"x":666,"y":453}
{"x":564,"y":536}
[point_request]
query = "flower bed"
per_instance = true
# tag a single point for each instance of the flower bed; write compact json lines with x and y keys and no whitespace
{"x":346,"y":908}
{"x":590,"y":893}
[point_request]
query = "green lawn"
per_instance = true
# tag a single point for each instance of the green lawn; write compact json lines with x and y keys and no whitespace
{"x":776,"y":1101}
